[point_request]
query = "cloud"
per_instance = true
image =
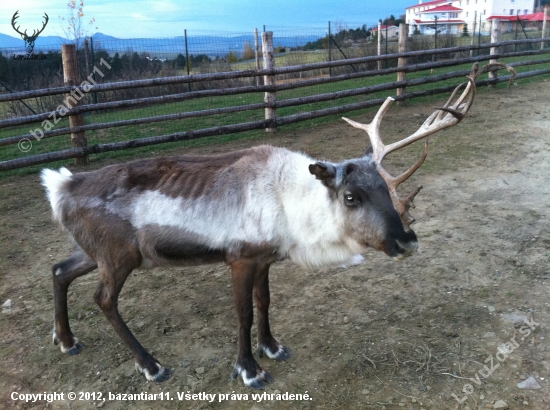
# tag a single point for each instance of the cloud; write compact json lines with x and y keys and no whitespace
{"x":141,"y":17}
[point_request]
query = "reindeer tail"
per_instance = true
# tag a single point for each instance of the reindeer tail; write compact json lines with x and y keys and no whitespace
{"x":55,"y":183}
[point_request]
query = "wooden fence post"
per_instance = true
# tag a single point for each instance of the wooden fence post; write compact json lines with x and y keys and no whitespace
{"x":257,"y":55}
{"x":545,"y":19}
{"x":71,"y":78}
{"x":495,"y":38}
{"x":269,"y":63}
{"x":402,"y":61}
{"x":473,"y":33}
{"x":379,"y":44}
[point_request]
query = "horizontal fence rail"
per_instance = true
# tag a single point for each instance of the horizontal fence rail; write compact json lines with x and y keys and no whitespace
{"x":258,"y":73}
{"x":190,"y":135}
{"x":244,"y":90}
{"x":204,"y":80}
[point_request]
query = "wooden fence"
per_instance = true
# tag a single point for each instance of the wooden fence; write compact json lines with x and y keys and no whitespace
{"x":77,"y":129}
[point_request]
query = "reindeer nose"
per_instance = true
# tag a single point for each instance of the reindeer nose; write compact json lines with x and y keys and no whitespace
{"x":406,"y":249}
{"x":401,"y":245}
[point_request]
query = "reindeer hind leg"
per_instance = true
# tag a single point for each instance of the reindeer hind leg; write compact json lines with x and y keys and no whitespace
{"x":78,"y":264}
{"x":111,"y":280}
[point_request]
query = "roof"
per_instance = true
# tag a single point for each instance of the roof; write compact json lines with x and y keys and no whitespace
{"x":528,"y":17}
{"x":429,"y":3}
{"x":504,"y":18}
{"x":383,"y":28}
{"x":438,"y":21}
{"x":534,"y":17}
{"x":445,"y":7}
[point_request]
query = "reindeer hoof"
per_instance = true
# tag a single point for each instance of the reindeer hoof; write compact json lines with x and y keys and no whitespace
{"x":281,"y":354}
{"x":259,"y":381}
{"x":161,"y":375}
{"x":75,"y":349}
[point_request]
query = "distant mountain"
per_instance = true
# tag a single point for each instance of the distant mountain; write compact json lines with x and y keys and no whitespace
{"x":104,"y":37}
{"x":16,"y":44}
{"x":8,"y":41}
{"x":212,"y":46}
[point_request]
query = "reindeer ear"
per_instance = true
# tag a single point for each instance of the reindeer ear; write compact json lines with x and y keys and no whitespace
{"x":350,"y":168}
{"x":323,"y":171}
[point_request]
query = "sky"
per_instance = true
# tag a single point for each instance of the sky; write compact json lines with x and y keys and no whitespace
{"x":169,"y":18}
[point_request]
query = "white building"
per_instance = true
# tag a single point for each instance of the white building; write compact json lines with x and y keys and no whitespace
{"x":392,"y":32}
{"x":450,"y":16}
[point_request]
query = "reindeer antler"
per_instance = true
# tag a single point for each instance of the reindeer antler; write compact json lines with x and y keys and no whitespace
{"x":25,"y":35}
{"x":15,"y":17}
{"x":43,"y":25}
{"x":452,"y":112}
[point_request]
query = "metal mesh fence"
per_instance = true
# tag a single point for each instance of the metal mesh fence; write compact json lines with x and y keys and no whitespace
{"x":137,"y":59}
{"x":103,"y":59}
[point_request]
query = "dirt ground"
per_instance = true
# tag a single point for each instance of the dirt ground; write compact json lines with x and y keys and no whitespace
{"x":382,"y":335}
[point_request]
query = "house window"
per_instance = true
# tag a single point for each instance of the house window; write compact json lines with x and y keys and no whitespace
{"x":484,"y":12}
{"x":525,"y":11}
{"x":511,"y":12}
{"x":467,"y":2}
{"x":466,"y":14}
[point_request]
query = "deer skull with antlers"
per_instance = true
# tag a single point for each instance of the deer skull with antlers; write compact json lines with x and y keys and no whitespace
{"x":29,"y":40}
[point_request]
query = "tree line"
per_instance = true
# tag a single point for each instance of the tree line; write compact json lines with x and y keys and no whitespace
{"x":345,"y":37}
{"x":46,"y":70}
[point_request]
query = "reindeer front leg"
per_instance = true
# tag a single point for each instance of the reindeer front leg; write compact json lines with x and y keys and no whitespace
{"x":243,"y":275}
{"x":266,"y":341}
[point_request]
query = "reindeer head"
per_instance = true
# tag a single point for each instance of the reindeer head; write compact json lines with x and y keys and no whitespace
{"x":29,"y":40}
{"x":450,"y":114}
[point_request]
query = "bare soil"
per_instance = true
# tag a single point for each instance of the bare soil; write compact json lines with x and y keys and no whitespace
{"x":382,"y":335}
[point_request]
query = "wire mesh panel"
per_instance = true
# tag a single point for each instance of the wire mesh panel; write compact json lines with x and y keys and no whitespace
{"x":129,"y":90}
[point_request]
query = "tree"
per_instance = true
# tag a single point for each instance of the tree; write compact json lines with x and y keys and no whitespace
{"x":465,"y":32}
{"x":116,"y":64}
{"x":389,"y":21}
{"x":135,"y":62}
{"x":232,"y":57}
{"x":74,"y":26}
{"x":317,"y":44}
{"x":180,"y":61}
{"x":392,"y":21}
{"x":248,"y":53}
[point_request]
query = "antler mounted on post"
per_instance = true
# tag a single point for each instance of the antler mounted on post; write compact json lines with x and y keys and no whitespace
{"x":452,"y":112}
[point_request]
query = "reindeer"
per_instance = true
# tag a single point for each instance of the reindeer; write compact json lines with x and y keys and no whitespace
{"x":29,"y":40}
{"x":248,"y":208}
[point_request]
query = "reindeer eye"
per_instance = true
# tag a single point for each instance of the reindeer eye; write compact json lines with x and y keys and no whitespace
{"x":350,"y":199}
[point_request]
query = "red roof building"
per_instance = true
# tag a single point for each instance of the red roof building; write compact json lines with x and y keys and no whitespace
{"x":450,"y":16}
